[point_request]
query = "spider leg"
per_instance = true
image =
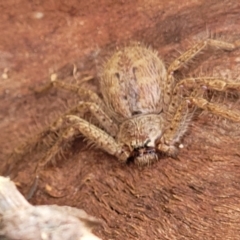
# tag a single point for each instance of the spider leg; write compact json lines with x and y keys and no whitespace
{"x":98,"y":110}
{"x":82,"y":107}
{"x":75,"y":126}
{"x":217,"y":109}
{"x":177,"y":126}
{"x":77,"y":89}
{"x":213,"y":83}
{"x":80,"y":126}
{"x":181,"y":114}
{"x":186,"y":57}
{"x":197,"y":48}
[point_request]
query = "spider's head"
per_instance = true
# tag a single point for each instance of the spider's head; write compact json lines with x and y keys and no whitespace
{"x":144,"y":155}
{"x":140,"y":136}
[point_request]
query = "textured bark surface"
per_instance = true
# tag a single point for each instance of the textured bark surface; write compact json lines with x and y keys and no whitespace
{"x":197,"y":195}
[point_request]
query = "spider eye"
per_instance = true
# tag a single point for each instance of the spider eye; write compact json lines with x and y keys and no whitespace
{"x":134,"y":69}
{"x":117,"y":75}
{"x":136,"y":113}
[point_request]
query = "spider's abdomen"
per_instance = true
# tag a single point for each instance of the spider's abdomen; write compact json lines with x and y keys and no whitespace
{"x":132,"y":82}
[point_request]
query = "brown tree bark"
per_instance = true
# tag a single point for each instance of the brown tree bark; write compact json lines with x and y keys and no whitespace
{"x":197,"y":195}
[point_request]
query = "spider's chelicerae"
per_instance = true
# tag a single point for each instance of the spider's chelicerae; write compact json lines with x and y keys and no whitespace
{"x":144,"y":112}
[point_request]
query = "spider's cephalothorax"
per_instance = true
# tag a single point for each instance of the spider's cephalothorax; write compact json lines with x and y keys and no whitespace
{"x":140,"y":135}
{"x":144,"y":112}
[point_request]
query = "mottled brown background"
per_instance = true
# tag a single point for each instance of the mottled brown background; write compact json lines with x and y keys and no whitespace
{"x":196,"y":196}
